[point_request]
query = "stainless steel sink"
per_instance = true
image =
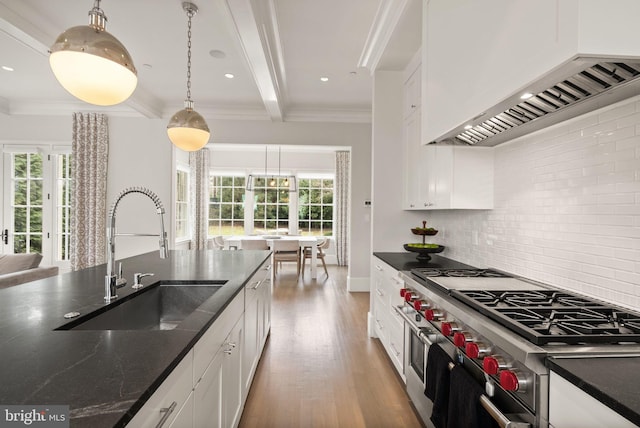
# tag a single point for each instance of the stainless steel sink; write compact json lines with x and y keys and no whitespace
{"x":161,"y":306}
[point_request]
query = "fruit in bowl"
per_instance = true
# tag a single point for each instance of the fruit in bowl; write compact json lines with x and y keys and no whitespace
{"x":424,"y":230}
{"x":418,"y":245}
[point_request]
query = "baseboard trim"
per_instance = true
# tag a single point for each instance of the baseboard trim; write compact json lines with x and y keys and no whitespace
{"x":358,"y":284}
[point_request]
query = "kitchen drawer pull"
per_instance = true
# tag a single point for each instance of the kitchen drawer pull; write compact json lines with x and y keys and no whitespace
{"x":167,"y":412}
{"x":378,"y":268}
{"x":397,"y":280}
{"x":395,"y":351}
{"x":380,"y":293}
{"x":257,"y":285}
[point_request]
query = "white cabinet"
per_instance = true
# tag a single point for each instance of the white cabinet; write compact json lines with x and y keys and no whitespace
{"x":571,"y":407}
{"x":257,"y":320}
{"x":168,"y":400}
{"x":413,"y":154}
{"x":389,"y":326}
{"x":209,"y":386}
{"x":458,"y":177}
{"x":218,"y":393}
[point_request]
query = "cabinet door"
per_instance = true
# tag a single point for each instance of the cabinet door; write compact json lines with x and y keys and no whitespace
{"x":252,"y":328}
{"x":169,"y":397}
{"x":184,"y":418}
{"x":412,"y":167}
{"x":207,"y":396}
{"x":571,"y":407}
{"x":232,"y":376}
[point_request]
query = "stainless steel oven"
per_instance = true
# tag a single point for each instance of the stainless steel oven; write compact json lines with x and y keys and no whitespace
{"x":501,"y":329}
{"x":419,"y":335}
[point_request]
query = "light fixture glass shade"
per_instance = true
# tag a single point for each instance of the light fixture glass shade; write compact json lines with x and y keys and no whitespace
{"x":188,"y":130}
{"x":93,"y":66}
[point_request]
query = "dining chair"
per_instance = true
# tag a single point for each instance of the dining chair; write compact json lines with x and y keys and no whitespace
{"x":254,"y":244}
{"x":218,"y":242}
{"x":285,"y":250}
{"x":321,"y":246}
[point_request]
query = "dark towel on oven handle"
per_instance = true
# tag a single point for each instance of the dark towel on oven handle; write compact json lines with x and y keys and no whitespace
{"x":465,"y":410}
{"x":437,"y":384}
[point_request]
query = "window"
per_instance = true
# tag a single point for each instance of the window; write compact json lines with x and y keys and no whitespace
{"x":226,"y":204}
{"x":63,"y":206}
{"x":271,"y":205}
{"x":315,"y":206}
{"x":37,"y":201}
{"x":27,"y":202}
{"x":182,"y":204}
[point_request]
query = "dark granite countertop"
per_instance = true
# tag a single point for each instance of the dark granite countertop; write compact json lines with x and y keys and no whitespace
{"x":407,"y":261}
{"x":105,"y":376}
{"x":611,"y":380}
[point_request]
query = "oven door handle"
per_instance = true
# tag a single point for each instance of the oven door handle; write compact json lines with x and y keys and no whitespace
{"x":428,"y":339}
{"x":495,"y":413}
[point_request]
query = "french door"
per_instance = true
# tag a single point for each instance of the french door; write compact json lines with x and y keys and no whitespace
{"x":37,"y":201}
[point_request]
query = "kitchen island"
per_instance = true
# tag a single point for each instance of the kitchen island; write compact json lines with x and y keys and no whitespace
{"x":106,"y":376}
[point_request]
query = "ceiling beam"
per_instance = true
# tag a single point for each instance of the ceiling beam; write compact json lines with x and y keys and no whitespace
{"x":256,"y":27}
{"x":384,"y":24}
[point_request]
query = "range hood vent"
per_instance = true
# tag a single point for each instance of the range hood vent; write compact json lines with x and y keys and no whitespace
{"x":593,"y":86}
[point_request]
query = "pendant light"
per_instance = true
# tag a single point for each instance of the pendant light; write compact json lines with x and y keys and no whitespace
{"x":187,"y":129}
{"x":91,"y":64}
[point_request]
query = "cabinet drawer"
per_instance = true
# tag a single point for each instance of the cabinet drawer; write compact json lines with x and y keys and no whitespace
{"x":260,"y":279}
{"x":213,"y":339}
{"x":175,"y":389}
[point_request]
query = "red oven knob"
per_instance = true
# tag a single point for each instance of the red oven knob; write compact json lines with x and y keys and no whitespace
{"x":476,"y":349}
{"x":492,"y":365}
{"x":421,"y":305}
{"x":448,"y":328}
{"x":410,"y":296}
{"x":511,"y":380}
{"x":433,"y":314}
{"x":403,"y":291}
{"x":461,"y":338}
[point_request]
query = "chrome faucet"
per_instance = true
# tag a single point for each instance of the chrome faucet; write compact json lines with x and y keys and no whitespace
{"x":112,"y":281}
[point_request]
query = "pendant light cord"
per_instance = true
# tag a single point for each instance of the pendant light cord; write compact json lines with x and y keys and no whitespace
{"x":190,"y":14}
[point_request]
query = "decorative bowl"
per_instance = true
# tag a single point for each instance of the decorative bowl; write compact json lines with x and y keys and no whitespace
{"x":423,"y":253}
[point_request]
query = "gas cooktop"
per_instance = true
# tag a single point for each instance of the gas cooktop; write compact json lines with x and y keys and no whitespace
{"x":424,"y":273}
{"x":550,"y":316}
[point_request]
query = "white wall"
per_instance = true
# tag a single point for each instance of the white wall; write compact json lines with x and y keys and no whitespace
{"x":567,"y":208}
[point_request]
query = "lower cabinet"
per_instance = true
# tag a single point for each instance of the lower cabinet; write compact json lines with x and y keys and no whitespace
{"x":209,"y":386}
{"x":389,"y":326}
{"x":217,"y":395}
{"x":162,"y":409}
{"x":571,"y":407}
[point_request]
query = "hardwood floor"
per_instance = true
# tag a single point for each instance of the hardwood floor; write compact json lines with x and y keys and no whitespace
{"x":319,"y":367}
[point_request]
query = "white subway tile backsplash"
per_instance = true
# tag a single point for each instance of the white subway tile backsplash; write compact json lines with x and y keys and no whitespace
{"x":567,"y":208}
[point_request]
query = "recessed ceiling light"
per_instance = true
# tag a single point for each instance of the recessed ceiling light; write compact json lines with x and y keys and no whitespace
{"x":468,"y":127}
{"x":526,"y":96}
{"x":7,"y":68}
{"x":215,"y":53}
{"x":229,"y":75}
{"x":324,"y":79}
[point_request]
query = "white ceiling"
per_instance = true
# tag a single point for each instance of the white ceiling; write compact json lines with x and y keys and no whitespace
{"x":277,"y":50}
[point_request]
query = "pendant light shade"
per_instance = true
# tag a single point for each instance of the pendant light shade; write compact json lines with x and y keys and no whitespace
{"x":91,"y":64}
{"x":187,"y":129}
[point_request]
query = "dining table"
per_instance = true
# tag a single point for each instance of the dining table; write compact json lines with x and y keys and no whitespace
{"x":311,"y":242}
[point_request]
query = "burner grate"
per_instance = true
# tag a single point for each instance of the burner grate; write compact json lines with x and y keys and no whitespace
{"x":424,"y":273}
{"x":548,"y":316}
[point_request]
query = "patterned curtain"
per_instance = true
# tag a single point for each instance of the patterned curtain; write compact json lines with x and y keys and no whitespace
{"x":342,"y":196}
{"x":199,"y":165}
{"x":89,"y":189}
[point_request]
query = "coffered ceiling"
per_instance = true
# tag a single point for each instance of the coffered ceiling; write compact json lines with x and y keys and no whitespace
{"x":277,"y":51}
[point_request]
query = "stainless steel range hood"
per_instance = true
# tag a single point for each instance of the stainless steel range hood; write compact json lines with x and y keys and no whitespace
{"x":580,"y":86}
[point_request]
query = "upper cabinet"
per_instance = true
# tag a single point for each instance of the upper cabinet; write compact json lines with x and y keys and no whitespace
{"x":477,"y":54}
